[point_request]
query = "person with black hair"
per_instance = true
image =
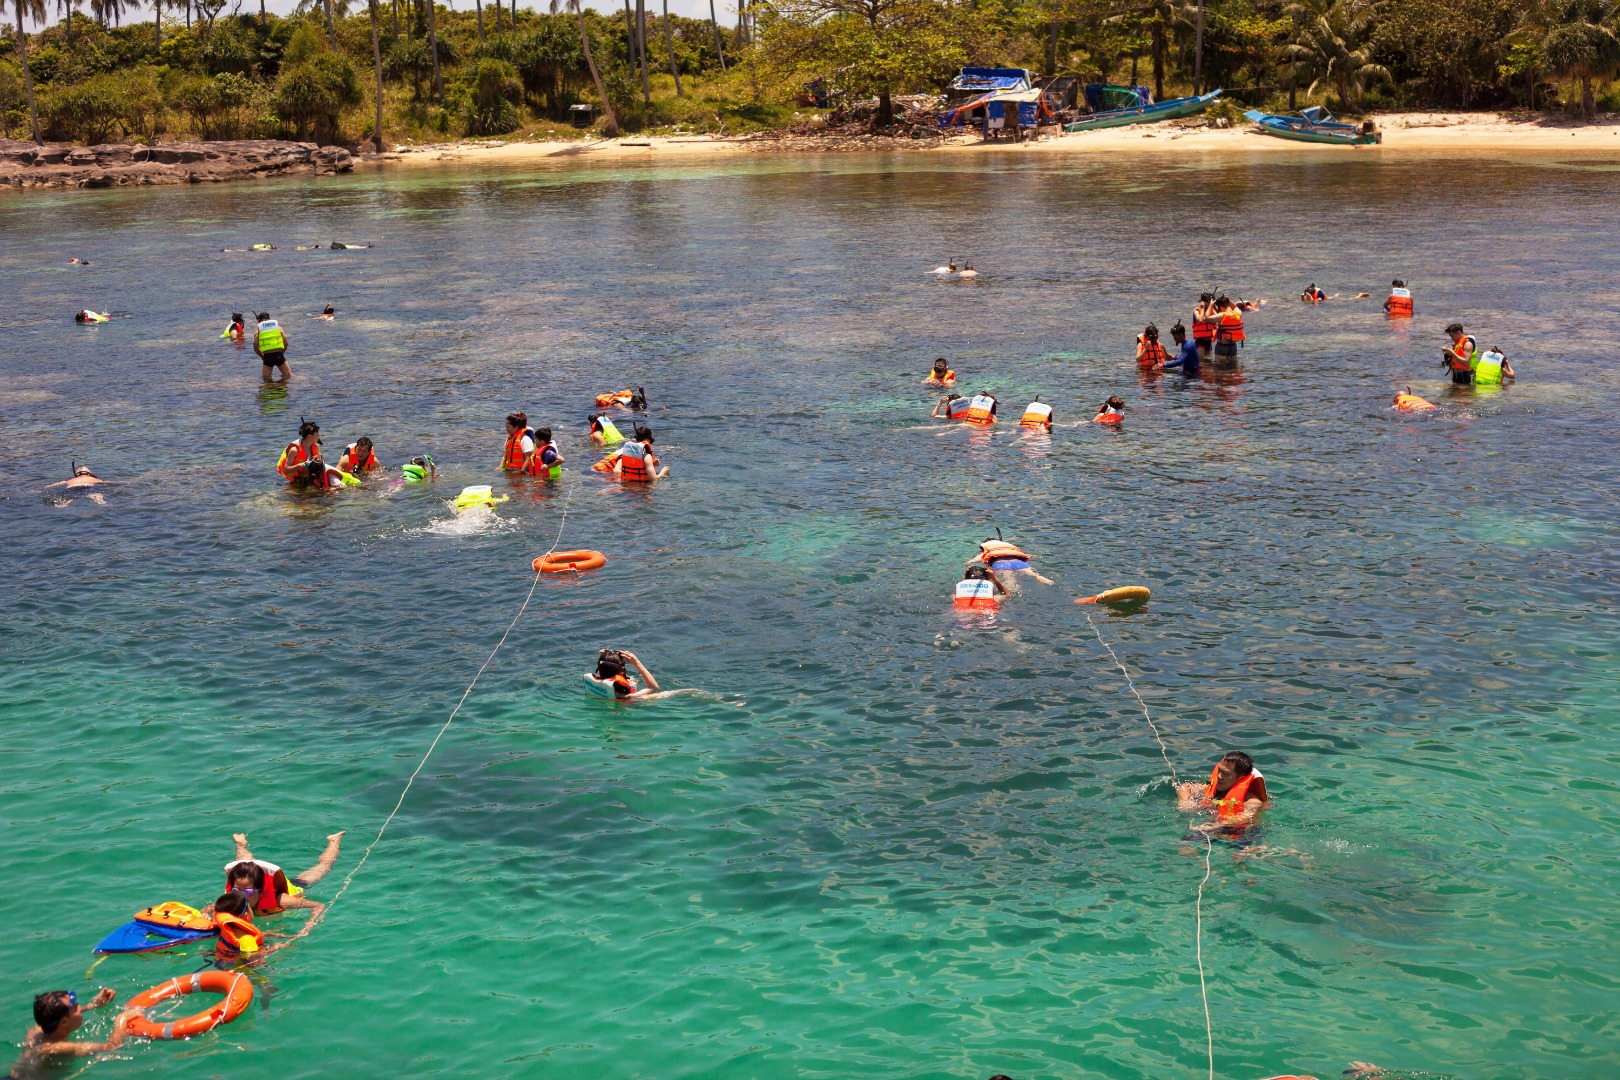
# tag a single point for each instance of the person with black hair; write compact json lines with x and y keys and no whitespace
{"x":1314,"y":295}
{"x":328,"y":314}
{"x":1229,"y":333}
{"x":638,"y":400}
{"x":266,"y":886}
{"x":1187,"y":356}
{"x":546,"y":460}
{"x":294,"y":459}
{"x":57,"y":1015}
{"x":1235,"y":794}
{"x":1462,"y":355}
{"x":1150,"y":355}
{"x":603,"y":432}
{"x":237,"y":330}
{"x":610,"y":678}
{"x":519,"y":443}
{"x":637,"y":464}
{"x":1111,"y":411}
{"x":941,"y":374}
{"x":359,"y":457}
{"x":951,"y":407}
{"x":979,"y":589}
{"x":1399,"y":303}
{"x":270,"y":342}
{"x":1203,"y":330}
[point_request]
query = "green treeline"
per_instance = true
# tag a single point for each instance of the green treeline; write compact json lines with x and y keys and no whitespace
{"x":189,"y":70}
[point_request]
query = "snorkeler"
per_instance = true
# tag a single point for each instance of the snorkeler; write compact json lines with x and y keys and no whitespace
{"x":420,"y":468}
{"x":82,"y":477}
{"x":1461,"y":356}
{"x":1228,"y":332}
{"x":950,"y":407}
{"x":328,"y":313}
{"x":298,"y":454}
{"x":321,"y":476}
{"x":603,"y":433}
{"x":1187,"y":353}
{"x":359,"y":457}
{"x":267,"y":887}
{"x":1037,"y":417}
{"x":1204,"y":324}
{"x":236,"y":329}
{"x":1313,"y":295}
{"x":981,"y":410}
{"x":1410,"y":402}
{"x":1003,"y":557}
{"x":85,"y":315}
{"x":610,"y":678}
{"x":1235,"y":794}
{"x":1491,"y":368}
{"x":1111,"y":411}
{"x":57,"y":1015}
{"x":237,"y":937}
{"x":979,"y":588}
{"x":941,"y":374}
{"x":270,"y":342}
{"x":1399,"y":304}
{"x":967,"y":271}
{"x":637,"y":464}
{"x":1149,"y":353}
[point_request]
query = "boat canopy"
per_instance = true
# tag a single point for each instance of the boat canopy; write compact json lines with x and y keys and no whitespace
{"x":988,"y":78}
{"x":1029,"y":106}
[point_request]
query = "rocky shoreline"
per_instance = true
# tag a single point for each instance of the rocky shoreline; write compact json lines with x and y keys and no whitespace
{"x":54,"y":165}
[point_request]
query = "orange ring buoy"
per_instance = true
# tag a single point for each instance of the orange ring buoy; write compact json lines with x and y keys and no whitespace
{"x":559,"y":561}
{"x":236,"y":987}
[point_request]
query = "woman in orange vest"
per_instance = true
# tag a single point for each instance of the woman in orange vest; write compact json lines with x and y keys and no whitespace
{"x":298,"y":454}
{"x":637,"y":464}
{"x":1228,"y":332}
{"x":1204,"y":324}
{"x":1235,"y":794}
{"x":1150,"y":355}
{"x":265,"y":885}
{"x":519,"y":443}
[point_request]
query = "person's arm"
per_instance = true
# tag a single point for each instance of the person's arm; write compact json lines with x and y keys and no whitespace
{"x":938,"y":405}
{"x":256,"y":348}
{"x":646,"y":676}
{"x":1189,"y":796}
{"x":1507,"y":369}
{"x":996,"y":581}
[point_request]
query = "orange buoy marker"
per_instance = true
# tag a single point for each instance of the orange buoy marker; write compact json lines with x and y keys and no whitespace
{"x":235,"y":986}
{"x":1125,"y":594}
{"x":559,"y":561}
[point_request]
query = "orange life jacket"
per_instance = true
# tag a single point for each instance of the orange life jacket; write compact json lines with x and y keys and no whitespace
{"x":622,"y":397}
{"x":978,"y":413}
{"x":1412,"y":403}
{"x":991,"y":550}
{"x":636,"y":463}
{"x":1203,"y":330}
{"x":1231,"y":326}
{"x":948,"y":377}
{"x":606,"y":464}
{"x":536,"y":466}
{"x":238,"y":937}
{"x":1397,"y":304}
{"x":512,"y":460}
{"x":291,"y":458}
{"x":1461,"y":355}
{"x":976,"y":593}
{"x":1153,"y":355}
{"x":1230,"y":805}
{"x":268,"y":902}
{"x":1037,"y":414}
{"x":352,"y":455}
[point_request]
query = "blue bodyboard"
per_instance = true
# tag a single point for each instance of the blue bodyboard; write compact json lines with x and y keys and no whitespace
{"x":137,"y":936}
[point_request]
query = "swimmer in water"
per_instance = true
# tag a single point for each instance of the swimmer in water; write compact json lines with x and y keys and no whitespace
{"x":82,"y":478}
{"x":1187,"y":358}
{"x":603,"y":431}
{"x":637,"y":464}
{"x":1150,"y":355}
{"x":57,"y":1015}
{"x":941,"y":374}
{"x":610,"y":679}
{"x":980,"y":588}
{"x":949,"y":268}
{"x":968,"y":271}
{"x":267,"y":887}
{"x":328,"y":314}
{"x":85,"y":315}
{"x":1113,"y":407}
{"x":1313,"y":295}
{"x":359,"y":457}
{"x":950,"y":407}
{"x":1005,"y":558}
{"x":1235,"y":796}
{"x":78,"y":262}
{"x":237,"y":330}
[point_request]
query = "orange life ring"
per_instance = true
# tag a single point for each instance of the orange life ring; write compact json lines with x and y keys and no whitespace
{"x":236,"y":987}
{"x":559,"y":561}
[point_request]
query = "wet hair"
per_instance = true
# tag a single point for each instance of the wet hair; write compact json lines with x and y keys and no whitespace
{"x":609,"y":662}
{"x":1115,"y":402}
{"x":542,"y":435}
{"x":1223,"y":301}
{"x":315,"y":471}
{"x":517,"y":419}
{"x":952,"y":397}
{"x":638,"y":400}
{"x":422,"y":461}
{"x":1205,"y":298}
{"x":51,"y":1008}
{"x":1242,"y":764}
{"x":328,"y":310}
{"x":1151,"y":332}
{"x":1178,"y":330}
{"x":1455,"y":328}
{"x":643,"y":433}
{"x":976,"y":572}
{"x":262,"y":316}
{"x":941,"y":365}
{"x":306,"y":428}
{"x":232,"y":903}
{"x":250,"y":872}
{"x":236,"y":316}
{"x":363,"y":443}
{"x":1397,"y":284}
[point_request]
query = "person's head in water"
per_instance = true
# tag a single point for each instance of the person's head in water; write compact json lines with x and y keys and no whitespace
{"x":976,"y":572}
{"x":1178,"y":333}
{"x":516,"y":422}
{"x":609,"y":664}
{"x":58,"y":1012}
{"x":1116,"y":403}
{"x":940,"y":368}
{"x":263,"y":316}
{"x":1233,"y":767}
{"x":638,"y":400}
{"x":237,"y":318}
{"x":83,"y":470}
{"x":246,"y":878}
{"x":315,"y":471}
{"x":1397,"y":284}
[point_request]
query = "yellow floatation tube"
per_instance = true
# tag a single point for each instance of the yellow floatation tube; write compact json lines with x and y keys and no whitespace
{"x":477,"y":496}
{"x":1126,"y":594}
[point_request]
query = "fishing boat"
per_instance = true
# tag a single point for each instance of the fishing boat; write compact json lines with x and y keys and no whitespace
{"x":1315,"y":125}
{"x":1173,"y":109}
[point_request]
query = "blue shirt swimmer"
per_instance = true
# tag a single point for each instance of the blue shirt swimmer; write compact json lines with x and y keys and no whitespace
{"x":1187,"y":352}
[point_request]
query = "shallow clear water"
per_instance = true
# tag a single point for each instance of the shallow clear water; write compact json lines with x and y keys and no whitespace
{"x":901,"y":842}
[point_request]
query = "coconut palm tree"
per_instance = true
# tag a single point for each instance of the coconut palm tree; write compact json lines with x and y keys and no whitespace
{"x":596,"y":76}
{"x":34,"y":9}
{"x":376,"y":58}
{"x":1332,"y":47}
{"x":718,"y":48}
{"x":157,"y":21}
{"x":67,"y":7}
{"x":1578,"y":40}
{"x":669,"y":47}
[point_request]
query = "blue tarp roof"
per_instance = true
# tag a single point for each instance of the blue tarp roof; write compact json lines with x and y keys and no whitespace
{"x":983,"y":78}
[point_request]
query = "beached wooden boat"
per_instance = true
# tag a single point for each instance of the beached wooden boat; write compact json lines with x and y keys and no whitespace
{"x":1173,"y":109}
{"x":1315,"y":125}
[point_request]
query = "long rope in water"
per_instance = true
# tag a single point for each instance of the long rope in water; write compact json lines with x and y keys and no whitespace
{"x":453,"y":712}
{"x":1164,"y":751}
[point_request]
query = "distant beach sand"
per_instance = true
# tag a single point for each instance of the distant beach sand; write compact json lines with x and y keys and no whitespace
{"x":1404,"y":133}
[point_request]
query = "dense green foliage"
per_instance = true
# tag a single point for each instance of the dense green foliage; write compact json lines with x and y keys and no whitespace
{"x":191,"y":71}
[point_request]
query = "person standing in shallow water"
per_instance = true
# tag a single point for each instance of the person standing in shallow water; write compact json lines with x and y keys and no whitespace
{"x":270,"y":342}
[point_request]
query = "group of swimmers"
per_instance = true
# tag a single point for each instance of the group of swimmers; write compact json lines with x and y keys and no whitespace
{"x":253,"y":889}
{"x":950,"y":269}
{"x":530,"y":451}
{"x":982,"y":409}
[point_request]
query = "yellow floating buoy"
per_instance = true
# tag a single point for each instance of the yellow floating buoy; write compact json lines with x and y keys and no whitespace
{"x":1125,"y":594}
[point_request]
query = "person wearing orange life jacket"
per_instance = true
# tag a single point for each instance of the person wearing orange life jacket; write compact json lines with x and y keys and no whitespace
{"x":266,"y":886}
{"x":1235,"y":794}
{"x":610,"y":679}
{"x":637,"y":464}
{"x":1313,"y":295}
{"x":1204,"y":324}
{"x":1461,"y":356}
{"x":1037,"y":416}
{"x":1410,"y":402}
{"x":1228,"y":332}
{"x":1111,"y":411}
{"x":298,"y":454}
{"x":1003,"y":557}
{"x":359,"y":457}
{"x":981,"y":410}
{"x":546,"y":460}
{"x":979,"y":589}
{"x":1150,"y":355}
{"x":950,"y":407}
{"x":237,"y":939}
{"x":519,"y":444}
{"x":941,"y":375}
{"x":1399,"y":304}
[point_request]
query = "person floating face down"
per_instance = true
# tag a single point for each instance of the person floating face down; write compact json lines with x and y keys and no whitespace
{"x":1150,"y":355}
{"x":941,"y":374}
{"x":1235,"y":794}
{"x":1187,"y":358}
{"x":57,"y":1015}
{"x":1037,"y":417}
{"x":611,"y":678}
{"x":980,"y":589}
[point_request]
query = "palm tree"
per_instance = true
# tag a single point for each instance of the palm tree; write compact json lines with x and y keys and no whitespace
{"x":433,"y":46}
{"x":669,"y":47}
{"x":66,"y":7}
{"x":1579,"y":41}
{"x":157,"y":21}
{"x":718,"y":48}
{"x":596,"y":76}
{"x":1332,"y":47}
{"x":34,"y":9}
{"x":641,"y":46}
{"x":376,"y":58}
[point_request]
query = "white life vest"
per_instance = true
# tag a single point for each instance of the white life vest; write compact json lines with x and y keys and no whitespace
{"x":1037,"y":414}
{"x":976,"y":593}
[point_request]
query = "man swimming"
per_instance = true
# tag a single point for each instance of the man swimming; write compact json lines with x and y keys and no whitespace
{"x":57,"y":1015}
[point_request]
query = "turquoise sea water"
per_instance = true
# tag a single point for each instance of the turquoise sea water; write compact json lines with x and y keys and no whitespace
{"x":899,"y":842}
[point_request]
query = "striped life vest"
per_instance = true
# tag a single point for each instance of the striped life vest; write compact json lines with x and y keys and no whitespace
{"x":1231,"y":326}
{"x":276,"y":885}
{"x":1153,"y":355}
{"x":238,"y":937}
{"x":513,"y":459}
{"x":1230,"y":805}
{"x":1400,"y":302}
{"x":976,"y":593}
{"x":1037,"y":414}
{"x":290,"y":464}
{"x":352,"y":453}
{"x":636,"y":463}
{"x":981,"y":410}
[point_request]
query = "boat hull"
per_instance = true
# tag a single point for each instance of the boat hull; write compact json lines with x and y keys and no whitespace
{"x":1145,"y":114}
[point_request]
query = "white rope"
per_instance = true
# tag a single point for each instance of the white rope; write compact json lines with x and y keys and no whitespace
{"x":446,"y":726}
{"x":1164,"y":751}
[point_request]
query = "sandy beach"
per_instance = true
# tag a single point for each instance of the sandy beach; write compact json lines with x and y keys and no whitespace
{"x":1404,"y":133}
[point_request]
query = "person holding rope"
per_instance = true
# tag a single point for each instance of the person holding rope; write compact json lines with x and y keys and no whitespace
{"x":1235,"y":794}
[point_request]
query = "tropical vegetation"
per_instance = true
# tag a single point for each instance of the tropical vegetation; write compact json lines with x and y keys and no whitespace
{"x":393,"y":70}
